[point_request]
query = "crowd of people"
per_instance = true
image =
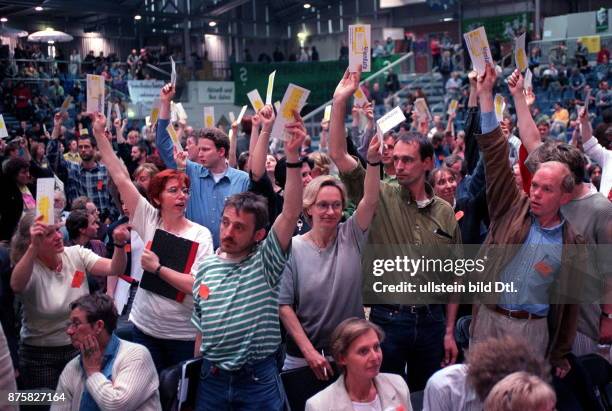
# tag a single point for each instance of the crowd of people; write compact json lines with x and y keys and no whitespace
{"x":277,"y":246}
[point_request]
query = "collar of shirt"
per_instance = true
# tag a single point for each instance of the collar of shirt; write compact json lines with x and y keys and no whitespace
{"x":547,"y":230}
{"x":90,"y":170}
{"x":407,"y":196}
{"x":230,"y":172}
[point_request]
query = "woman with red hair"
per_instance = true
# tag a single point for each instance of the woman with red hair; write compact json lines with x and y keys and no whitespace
{"x":161,"y":324}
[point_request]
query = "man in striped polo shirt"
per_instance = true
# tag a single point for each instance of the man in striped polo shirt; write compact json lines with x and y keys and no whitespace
{"x":236,"y":294}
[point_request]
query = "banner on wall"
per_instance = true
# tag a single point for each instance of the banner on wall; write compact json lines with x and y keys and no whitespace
{"x":592,"y":43}
{"x":320,"y":78}
{"x":503,"y":28}
{"x":215,"y":92}
{"x":143,"y":94}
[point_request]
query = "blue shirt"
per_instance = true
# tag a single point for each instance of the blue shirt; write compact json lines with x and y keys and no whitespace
{"x":207,"y":198}
{"x":534,"y":268}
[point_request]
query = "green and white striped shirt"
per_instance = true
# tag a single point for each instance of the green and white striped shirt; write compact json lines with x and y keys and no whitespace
{"x":239,"y":317}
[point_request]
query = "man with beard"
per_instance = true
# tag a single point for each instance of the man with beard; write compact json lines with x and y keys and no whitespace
{"x":236,"y":294}
{"x":89,"y":178}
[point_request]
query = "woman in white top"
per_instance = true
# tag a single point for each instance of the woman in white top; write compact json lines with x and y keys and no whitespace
{"x":49,"y":276}
{"x":161,"y":324}
{"x":361,"y":387}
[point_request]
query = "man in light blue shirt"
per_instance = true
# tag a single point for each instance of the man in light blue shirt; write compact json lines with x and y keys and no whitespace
{"x":212,"y":179}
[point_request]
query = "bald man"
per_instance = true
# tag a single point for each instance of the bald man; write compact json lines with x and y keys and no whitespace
{"x":534,"y":259}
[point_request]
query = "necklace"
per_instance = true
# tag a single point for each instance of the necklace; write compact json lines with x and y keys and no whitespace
{"x":318,"y":246}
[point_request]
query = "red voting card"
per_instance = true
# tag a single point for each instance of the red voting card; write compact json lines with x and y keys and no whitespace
{"x":204,"y":291}
{"x":77,"y":279}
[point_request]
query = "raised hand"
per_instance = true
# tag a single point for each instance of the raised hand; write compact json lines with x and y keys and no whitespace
{"x":267,"y":117}
{"x":347,"y":85}
{"x":98,"y":121}
{"x":297,"y":131}
{"x":166,"y":93}
{"x":530,"y":97}
{"x":58,"y":119}
{"x":373,"y":154}
{"x":37,"y":233}
{"x":256,"y":120}
{"x":486,"y":82}
{"x":515,"y":83}
{"x":180,"y":156}
{"x":368,"y":109}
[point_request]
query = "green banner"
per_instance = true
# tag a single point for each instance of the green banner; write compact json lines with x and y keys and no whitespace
{"x":320,"y":78}
{"x":504,"y":28}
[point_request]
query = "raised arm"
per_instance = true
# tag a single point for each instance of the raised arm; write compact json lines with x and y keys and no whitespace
{"x":367,"y":206}
{"x":530,"y":136}
{"x":501,"y":189}
{"x":54,"y":155}
{"x":116,"y":265}
{"x":260,"y":150}
{"x":164,"y":143}
{"x":22,"y":272}
{"x":368,"y":132}
{"x":255,"y":123}
{"x":292,"y":206}
{"x":337,"y":139}
{"x":121,"y":178}
{"x":592,"y":148}
{"x":233,"y":138}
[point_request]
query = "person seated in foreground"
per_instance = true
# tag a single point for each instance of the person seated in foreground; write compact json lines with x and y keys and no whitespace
{"x":110,"y":373}
{"x":355,"y":345}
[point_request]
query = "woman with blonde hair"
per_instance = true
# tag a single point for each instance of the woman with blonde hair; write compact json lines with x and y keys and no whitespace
{"x":48,"y":276}
{"x":144,"y":173}
{"x":521,"y":391}
{"x":328,"y":257}
{"x":355,"y":344}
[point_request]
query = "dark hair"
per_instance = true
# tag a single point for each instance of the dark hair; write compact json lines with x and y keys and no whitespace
{"x":242,"y":160}
{"x":77,"y":219}
{"x":90,"y":138}
{"x":452,"y":159}
{"x":159,"y":181}
{"x":98,"y":306}
{"x":280,"y":170}
{"x":250,"y":203}
{"x":563,"y":153}
{"x":219,"y":138}
{"x":14,"y":166}
{"x":247,"y":124}
{"x":493,"y":359}
{"x":425,"y":147}
{"x":80,"y":203}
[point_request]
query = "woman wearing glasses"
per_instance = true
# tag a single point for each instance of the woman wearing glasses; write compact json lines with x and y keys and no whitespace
{"x":321,"y":284}
{"x":48,"y":276}
{"x":161,"y":324}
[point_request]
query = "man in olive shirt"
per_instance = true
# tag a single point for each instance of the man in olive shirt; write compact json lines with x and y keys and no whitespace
{"x":408,"y":214}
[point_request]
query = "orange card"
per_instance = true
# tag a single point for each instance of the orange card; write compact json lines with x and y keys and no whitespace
{"x":544,"y":269}
{"x":100,"y":185}
{"x":149,"y":244}
{"x":77,"y":279}
{"x":204,"y":291}
{"x":128,"y":248}
{"x":459,"y":215}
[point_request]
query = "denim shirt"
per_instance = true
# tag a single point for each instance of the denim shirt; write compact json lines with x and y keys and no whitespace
{"x":207,"y":198}
{"x":534,"y":268}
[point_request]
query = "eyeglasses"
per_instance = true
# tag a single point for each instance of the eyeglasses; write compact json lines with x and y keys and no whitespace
{"x":73,"y":324}
{"x":175,"y":190}
{"x":323,"y":206}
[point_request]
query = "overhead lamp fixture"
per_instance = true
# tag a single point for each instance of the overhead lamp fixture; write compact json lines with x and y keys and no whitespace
{"x":38,"y":8}
{"x":51,"y":42}
{"x":137,"y":17}
{"x":212,"y":23}
{"x":3,"y":19}
{"x":307,"y":5}
{"x":447,"y":19}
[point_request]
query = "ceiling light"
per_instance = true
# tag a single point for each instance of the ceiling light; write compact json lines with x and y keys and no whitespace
{"x":137,"y":17}
{"x":212,"y":23}
{"x":446,"y":19}
{"x":38,"y":8}
{"x":3,"y":19}
{"x":306,"y":5}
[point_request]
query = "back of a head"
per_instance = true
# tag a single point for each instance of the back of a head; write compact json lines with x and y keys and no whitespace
{"x":561,"y":152}
{"x":493,"y":359}
{"x":521,"y":391}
